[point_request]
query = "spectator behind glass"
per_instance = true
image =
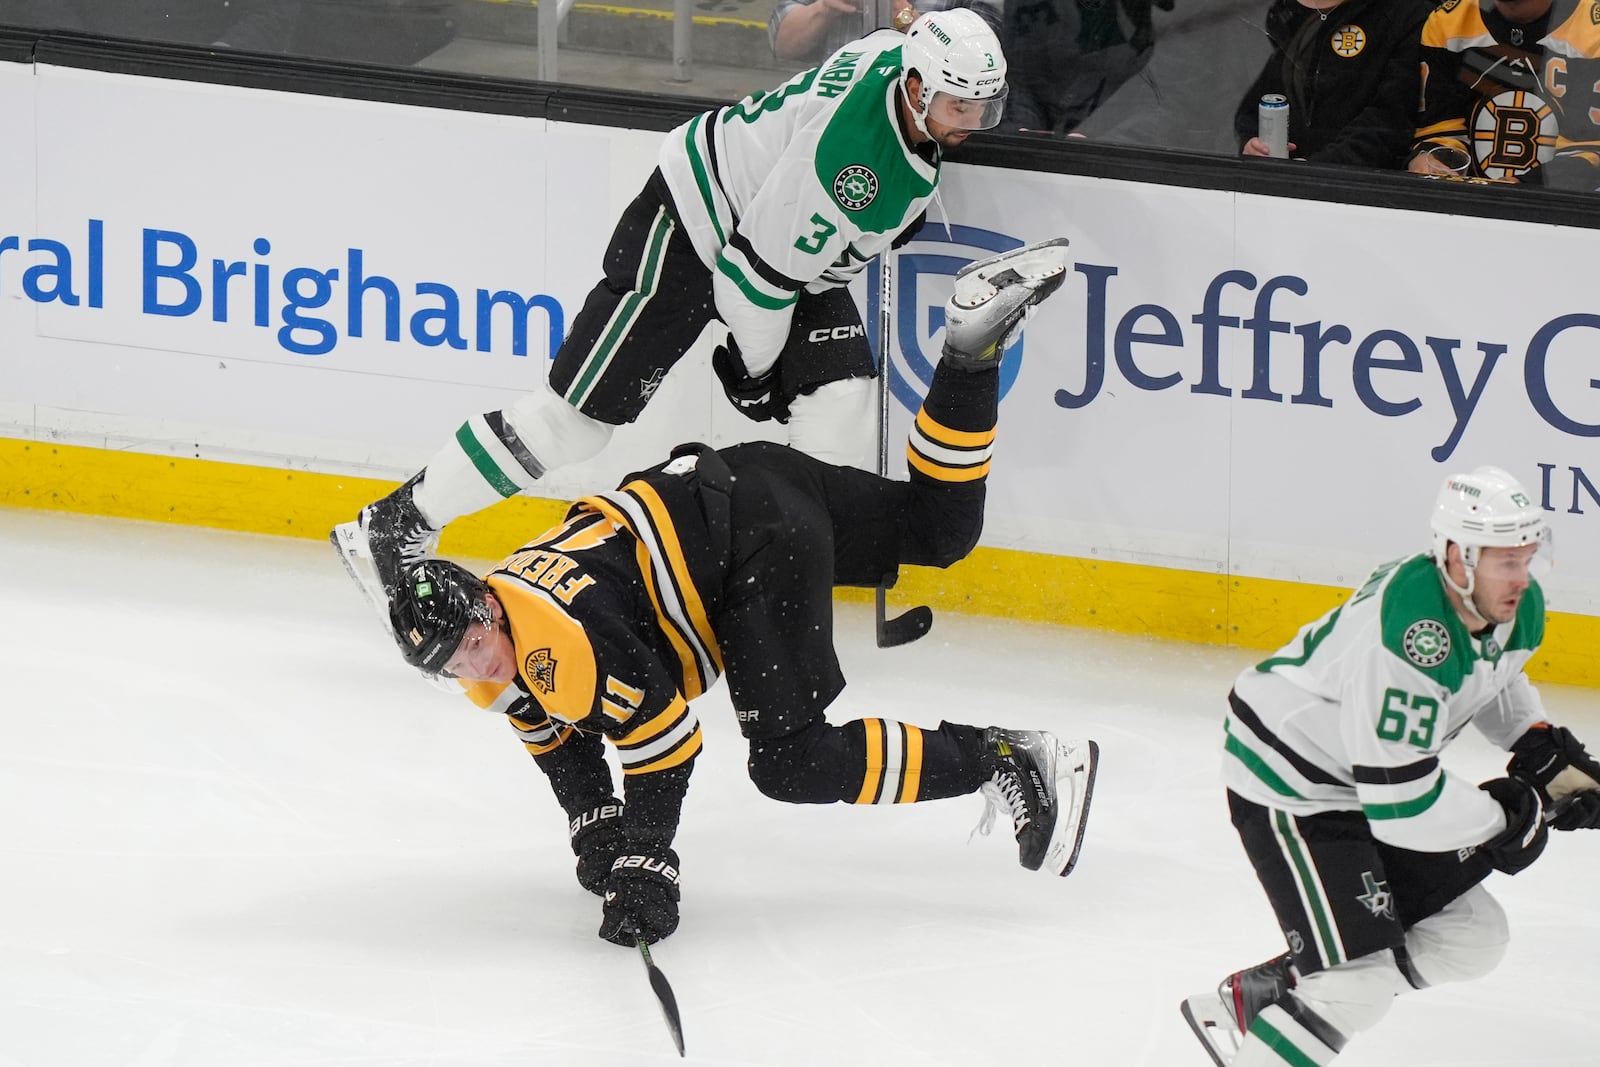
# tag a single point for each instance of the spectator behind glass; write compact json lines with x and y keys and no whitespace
{"x":1516,"y":84}
{"x":809,"y":31}
{"x":1350,"y":72}
{"x":1066,"y":57}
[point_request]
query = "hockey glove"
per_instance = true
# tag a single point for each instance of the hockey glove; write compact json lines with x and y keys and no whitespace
{"x":1520,"y":843}
{"x":1578,"y":811}
{"x":1555,"y":761}
{"x":641,"y":898}
{"x":756,"y":398}
{"x":596,"y":837}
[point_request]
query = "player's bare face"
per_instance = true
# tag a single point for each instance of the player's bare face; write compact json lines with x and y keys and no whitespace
{"x":485,"y":653}
{"x":1502,"y":578}
{"x":947,"y":136}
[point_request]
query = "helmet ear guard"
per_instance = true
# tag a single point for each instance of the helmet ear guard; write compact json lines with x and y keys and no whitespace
{"x":435,"y":604}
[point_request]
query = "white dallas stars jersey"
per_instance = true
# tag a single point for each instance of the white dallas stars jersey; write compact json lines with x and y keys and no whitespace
{"x":1353,"y":713}
{"x":798,"y":187}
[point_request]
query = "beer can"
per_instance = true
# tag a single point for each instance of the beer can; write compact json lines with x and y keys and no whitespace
{"x":1272,"y":124}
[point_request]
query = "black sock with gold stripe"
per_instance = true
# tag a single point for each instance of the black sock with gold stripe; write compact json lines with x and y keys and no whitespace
{"x":953,"y":435}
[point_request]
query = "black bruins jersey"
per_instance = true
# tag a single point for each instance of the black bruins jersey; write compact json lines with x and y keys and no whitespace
{"x":610,"y":618}
{"x":1524,"y":99}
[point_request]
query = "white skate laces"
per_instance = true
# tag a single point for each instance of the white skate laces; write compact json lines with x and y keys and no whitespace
{"x":1045,"y":786}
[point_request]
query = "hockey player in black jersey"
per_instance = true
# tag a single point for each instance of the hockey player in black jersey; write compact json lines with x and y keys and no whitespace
{"x":723,"y":561}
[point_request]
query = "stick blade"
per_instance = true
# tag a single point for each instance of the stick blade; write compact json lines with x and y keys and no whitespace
{"x":904,"y":629}
{"x":668,"y":1000}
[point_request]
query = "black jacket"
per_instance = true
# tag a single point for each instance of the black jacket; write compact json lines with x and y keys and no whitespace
{"x":1353,"y":79}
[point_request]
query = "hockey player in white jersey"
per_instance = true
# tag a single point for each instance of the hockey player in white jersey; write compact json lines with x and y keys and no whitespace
{"x":757,"y":216}
{"x":1370,"y":850}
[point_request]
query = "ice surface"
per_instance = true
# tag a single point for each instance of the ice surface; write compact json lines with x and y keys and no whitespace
{"x":235,"y":830}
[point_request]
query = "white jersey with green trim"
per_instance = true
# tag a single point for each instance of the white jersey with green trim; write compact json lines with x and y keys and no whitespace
{"x":1353,"y":714}
{"x":798,"y":187}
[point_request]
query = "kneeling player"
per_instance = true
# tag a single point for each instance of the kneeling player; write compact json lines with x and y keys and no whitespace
{"x":1371,"y":853}
{"x":724,"y":562}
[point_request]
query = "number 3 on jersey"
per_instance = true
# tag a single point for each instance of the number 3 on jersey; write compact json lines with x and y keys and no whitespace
{"x":819,"y":239}
{"x":1395,"y":720}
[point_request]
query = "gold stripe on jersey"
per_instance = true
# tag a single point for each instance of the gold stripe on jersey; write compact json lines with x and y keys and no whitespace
{"x":893,"y":772}
{"x":946,"y":454}
{"x":1457,"y":27}
{"x":1436,"y":133}
{"x":680,"y":612}
{"x":542,"y":736}
{"x":668,"y":739}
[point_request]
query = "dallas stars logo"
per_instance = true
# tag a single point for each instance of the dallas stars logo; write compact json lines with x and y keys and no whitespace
{"x":540,"y":667}
{"x":1377,"y":898}
{"x":1426,"y":643}
{"x":855,"y":187}
{"x":648,"y":386}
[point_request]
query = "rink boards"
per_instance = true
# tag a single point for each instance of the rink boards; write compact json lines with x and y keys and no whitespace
{"x":1236,"y":406}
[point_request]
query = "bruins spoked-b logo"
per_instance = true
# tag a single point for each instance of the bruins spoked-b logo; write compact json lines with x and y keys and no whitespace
{"x":855,"y":187}
{"x":1426,"y":643}
{"x":1512,"y":133}
{"x":540,"y":667}
{"x":1348,"y":41}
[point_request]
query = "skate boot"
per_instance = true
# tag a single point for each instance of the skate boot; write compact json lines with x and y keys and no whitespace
{"x":1220,"y":1021}
{"x":995,"y":296}
{"x":1244,"y":993}
{"x":1045,"y":785}
{"x":387,"y":537}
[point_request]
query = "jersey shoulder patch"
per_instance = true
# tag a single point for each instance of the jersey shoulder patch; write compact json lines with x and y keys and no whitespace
{"x":862,"y":160}
{"x":1420,"y":626}
{"x":554,"y":653}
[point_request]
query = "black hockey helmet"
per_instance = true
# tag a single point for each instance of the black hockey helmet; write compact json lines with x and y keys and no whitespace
{"x":432,"y":607}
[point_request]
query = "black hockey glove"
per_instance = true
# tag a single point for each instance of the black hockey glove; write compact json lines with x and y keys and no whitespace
{"x":756,"y":398}
{"x":1543,"y":753}
{"x":1520,"y":843}
{"x":597,"y":839}
{"x":641,"y":898}
{"x":1579,"y":811}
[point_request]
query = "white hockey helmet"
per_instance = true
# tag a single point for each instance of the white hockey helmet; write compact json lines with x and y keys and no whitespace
{"x":1487,"y":508}
{"x":963,"y":71}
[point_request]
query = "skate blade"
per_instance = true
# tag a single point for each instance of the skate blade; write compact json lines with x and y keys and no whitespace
{"x":1066,"y":841}
{"x":351,"y":548}
{"x":978,"y":282}
{"x":1211,"y":1022}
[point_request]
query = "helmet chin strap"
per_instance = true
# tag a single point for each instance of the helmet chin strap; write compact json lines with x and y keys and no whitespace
{"x":1469,"y":563}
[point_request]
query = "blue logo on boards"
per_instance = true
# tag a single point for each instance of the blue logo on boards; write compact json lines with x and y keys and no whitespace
{"x":924,"y":274}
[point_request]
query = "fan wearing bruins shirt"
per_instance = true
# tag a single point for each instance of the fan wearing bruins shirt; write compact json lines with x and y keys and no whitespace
{"x":756,"y":218}
{"x":1517,"y":84}
{"x":723,"y":562}
{"x":1371,"y":852}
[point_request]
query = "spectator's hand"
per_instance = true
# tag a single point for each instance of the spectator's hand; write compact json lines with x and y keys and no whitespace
{"x":1255,"y":146}
{"x":1440,"y":159}
{"x":836,"y":8}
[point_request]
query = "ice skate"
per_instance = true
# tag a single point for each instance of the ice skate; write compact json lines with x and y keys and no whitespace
{"x":388,"y":536}
{"x":1045,"y":785}
{"x":995,"y":296}
{"x":1220,"y":1021}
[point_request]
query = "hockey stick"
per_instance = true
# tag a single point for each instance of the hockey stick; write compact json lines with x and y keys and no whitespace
{"x":663,"y":991}
{"x":902,"y":629}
